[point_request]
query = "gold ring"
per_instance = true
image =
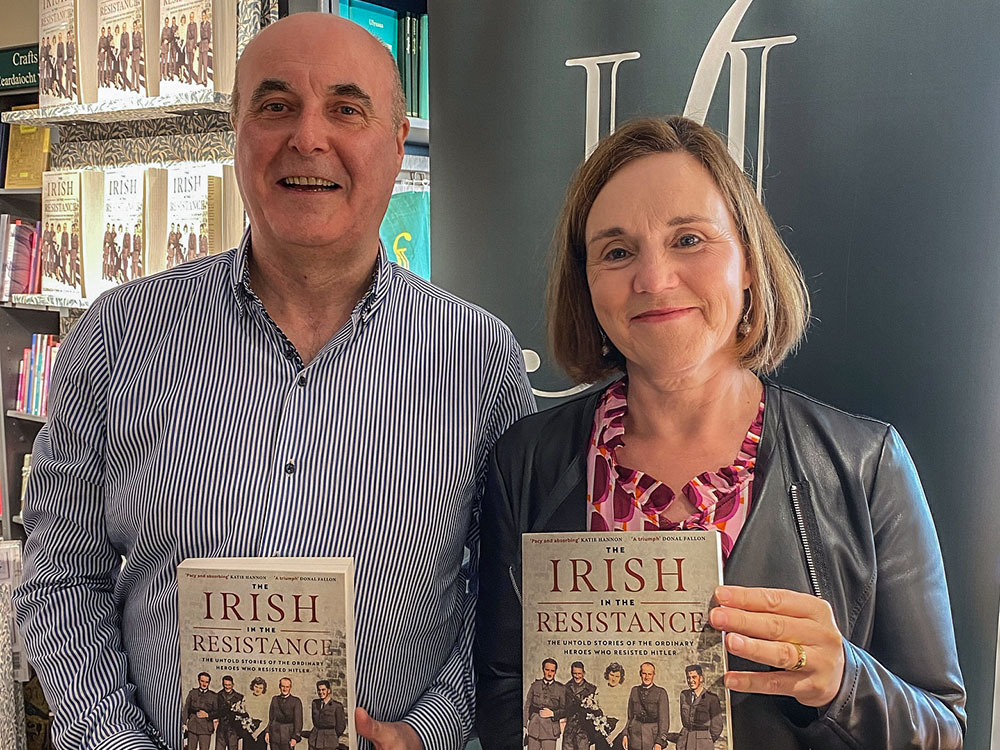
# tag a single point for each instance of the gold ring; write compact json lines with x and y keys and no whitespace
{"x":802,"y":658}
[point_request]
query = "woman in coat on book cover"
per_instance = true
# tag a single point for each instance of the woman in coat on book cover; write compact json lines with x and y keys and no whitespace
{"x":670,"y":279}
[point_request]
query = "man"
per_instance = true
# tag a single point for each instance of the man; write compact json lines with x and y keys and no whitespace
{"x":166,"y":42}
{"x":544,"y":709}
{"x":175,"y":54}
{"x":701,"y":713}
{"x":204,"y":47}
{"x":71,"y":87}
{"x":103,"y":60}
{"x":201,"y":714}
{"x":64,"y":257}
{"x":284,"y":718}
{"x":227,"y":737}
{"x":190,"y":44}
{"x":648,"y":713}
{"x":74,"y":255}
{"x":240,"y":406}
{"x":192,"y":246}
{"x":328,"y":718}
{"x":124,"y":54}
{"x":137,"y":268}
{"x":124,"y":255}
{"x":61,"y":66}
{"x":578,"y":690}
{"x":202,"y":242}
{"x":136,"y":54}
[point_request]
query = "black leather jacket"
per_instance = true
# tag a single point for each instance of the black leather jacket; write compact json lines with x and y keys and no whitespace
{"x":838,"y":511}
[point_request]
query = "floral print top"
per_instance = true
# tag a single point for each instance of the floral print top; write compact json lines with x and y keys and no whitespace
{"x":624,"y":499}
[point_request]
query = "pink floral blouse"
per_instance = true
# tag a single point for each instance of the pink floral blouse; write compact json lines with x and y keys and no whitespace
{"x":623,"y":499}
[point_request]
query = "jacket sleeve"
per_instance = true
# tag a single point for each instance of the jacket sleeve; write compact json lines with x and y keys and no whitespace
{"x":65,"y":605}
{"x":498,"y":645}
{"x":906,"y":689}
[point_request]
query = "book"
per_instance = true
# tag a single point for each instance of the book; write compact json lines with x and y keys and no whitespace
{"x":13,"y":667}
{"x":134,"y":198}
{"x":123,"y":46}
{"x":406,"y":229}
{"x":264,"y":627}
{"x":196,"y":45}
{"x":72,"y":222}
{"x":27,"y":154}
{"x":10,"y":577}
{"x":204,"y":214}
{"x":620,"y":617}
{"x":67,"y":73}
{"x":381,"y":22}
{"x":424,"y":98}
{"x":17,"y":250}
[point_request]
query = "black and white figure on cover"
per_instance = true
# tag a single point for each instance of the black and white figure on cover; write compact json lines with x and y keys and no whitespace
{"x":545,"y":709}
{"x":256,"y":705}
{"x":60,"y":65}
{"x":613,"y":696}
{"x":137,"y":56}
{"x":190,"y":47}
{"x":102,"y":57}
{"x":228,"y":734}
{"x":648,"y":713}
{"x":579,"y":729}
{"x":71,"y":85}
{"x":166,"y":43}
{"x":137,"y":267}
{"x":75,"y":256}
{"x":329,"y":720}
{"x":201,"y":714}
{"x":204,"y":49}
{"x":124,"y":56}
{"x":284,"y":718}
{"x":702,"y":719}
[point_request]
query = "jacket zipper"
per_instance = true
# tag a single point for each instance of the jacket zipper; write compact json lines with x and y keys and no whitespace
{"x":513,"y":582}
{"x":800,"y":524}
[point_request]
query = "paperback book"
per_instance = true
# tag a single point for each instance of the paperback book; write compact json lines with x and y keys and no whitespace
{"x":72,"y":218}
{"x":27,"y":154}
{"x":13,"y":667}
{"x":616,"y":639}
{"x":267,"y":650}
{"x":66,"y":69}
{"x":121,"y":47}
{"x":197,"y":45}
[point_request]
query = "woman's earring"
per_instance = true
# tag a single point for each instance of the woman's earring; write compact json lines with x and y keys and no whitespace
{"x":605,"y":349}
{"x":743,"y":329}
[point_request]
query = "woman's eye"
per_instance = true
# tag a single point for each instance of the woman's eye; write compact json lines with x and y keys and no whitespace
{"x":688,"y":240}
{"x":616,"y":253}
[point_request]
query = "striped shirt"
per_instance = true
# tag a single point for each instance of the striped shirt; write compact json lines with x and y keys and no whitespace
{"x":184,"y":424}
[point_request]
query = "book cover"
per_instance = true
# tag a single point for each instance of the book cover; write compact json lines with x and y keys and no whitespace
{"x":121,"y":49}
{"x":72,"y":221}
{"x":406,"y":230}
{"x":27,"y":155}
{"x":381,"y":22}
{"x":267,"y":650}
{"x":13,"y":667}
{"x":424,"y":108}
{"x":197,"y":45}
{"x":66,"y":69}
{"x":193,"y":217}
{"x":617,"y":642}
{"x":17,"y":266}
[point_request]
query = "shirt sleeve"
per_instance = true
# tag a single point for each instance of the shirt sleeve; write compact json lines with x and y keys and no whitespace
{"x":65,"y":605}
{"x":443,"y":716}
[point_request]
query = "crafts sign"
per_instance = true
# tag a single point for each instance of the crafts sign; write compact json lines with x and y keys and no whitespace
{"x":18,"y":68}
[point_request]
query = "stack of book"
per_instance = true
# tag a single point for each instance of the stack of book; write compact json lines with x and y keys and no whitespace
{"x":19,"y":262}
{"x":405,"y":35}
{"x":34,"y":373}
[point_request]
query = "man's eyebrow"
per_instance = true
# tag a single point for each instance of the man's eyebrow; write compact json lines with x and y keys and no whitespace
{"x":267,"y":86}
{"x":351,"y":91}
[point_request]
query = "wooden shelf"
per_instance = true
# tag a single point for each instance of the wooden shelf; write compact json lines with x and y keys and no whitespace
{"x":25,"y":416}
{"x":21,"y":191}
{"x":147,"y":108}
{"x":17,"y":519}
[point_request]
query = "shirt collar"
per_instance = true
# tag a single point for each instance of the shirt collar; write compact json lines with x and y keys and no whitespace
{"x":239,"y":278}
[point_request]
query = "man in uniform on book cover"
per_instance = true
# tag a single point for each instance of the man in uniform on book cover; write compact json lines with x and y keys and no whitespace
{"x":227,"y":736}
{"x":124,"y":54}
{"x":190,"y":45}
{"x":43,"y":65}
{"x":74,"y":255}
{"x":60,"y":65}
{"x":137,"y":269}
{"x":166,"y":42}
{"x":202,"y":242}
{"x":648,"y":713}
{"x":578,"y":690}
{"x":123,"y":256}
{"x":71,"y":87}
{"x":204,"y":46}
{"x":328,"y":718}
{"x":284,"y":720}
{"x":102,"y":57}
{"x":701,"y":713}
{"x":201,"y":714}
{"x":240,"y":407}
{"x":64,"y":253}
{"x":136,"y":54}
{"x":545,"y":709}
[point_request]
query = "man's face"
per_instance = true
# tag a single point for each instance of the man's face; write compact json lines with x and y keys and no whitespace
{"x":227,"y":685}
{"x":204,"y":681}
{"x":285,"y":686}
{"x":577,"y":675}
{"x":316,"y":153}
{"x":694,"y":679}
{"x":549,"y":671}
{"x":646,"y":674}
{"x":323,"y":691}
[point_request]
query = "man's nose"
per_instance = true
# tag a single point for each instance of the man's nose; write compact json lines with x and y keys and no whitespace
{"x":311,"y":134}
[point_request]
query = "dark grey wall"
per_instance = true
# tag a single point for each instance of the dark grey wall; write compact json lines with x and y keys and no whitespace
{"x":882,"y":166}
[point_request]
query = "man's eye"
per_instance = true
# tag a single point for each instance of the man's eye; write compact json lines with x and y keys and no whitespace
{"x":274,"y":107}
{"x":347,"y":109}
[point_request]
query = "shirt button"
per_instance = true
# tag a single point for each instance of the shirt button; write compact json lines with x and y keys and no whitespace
{"x":290,"y":467}
{"x":302,"y":381}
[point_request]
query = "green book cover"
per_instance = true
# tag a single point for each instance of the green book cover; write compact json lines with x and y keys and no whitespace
{"x":406,"y":231}
{"x":381,"y":22}
{"x":425,"y":101}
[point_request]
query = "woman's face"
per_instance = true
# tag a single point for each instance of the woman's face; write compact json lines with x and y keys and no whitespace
{"x":614,"y":678}
{"x":666,"y":267}
{"x":258,"y":689}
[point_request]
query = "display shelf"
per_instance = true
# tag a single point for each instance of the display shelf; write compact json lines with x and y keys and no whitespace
{"x":17,"y":519}
{"x":420,"y":131}
{"x":21,"y":191}
{"x":46,"y":303}
{"x":146,"y":108}
{"x":24,"y":415}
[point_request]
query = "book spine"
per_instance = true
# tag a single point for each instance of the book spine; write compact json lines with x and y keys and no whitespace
{"x":30,"y":390}
{"x":424,"y":108}
{"x":46,"y":374}
{"x":19,"y":403}
{"x":43,"y":344}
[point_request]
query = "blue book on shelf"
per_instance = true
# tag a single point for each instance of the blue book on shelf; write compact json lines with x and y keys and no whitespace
{"x":406,"y":231}
{"x":382,"y":22}
{"x":344,"y":9}
{"x":424,"y":108}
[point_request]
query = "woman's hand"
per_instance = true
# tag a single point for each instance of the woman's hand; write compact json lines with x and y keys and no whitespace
{"x":786,"y":629}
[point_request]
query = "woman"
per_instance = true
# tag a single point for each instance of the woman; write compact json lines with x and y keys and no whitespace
{"x":256,"y":703}
{"x":669,"y":274}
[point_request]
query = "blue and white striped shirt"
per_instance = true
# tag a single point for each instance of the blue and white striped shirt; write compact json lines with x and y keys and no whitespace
{"x":183,"y":424}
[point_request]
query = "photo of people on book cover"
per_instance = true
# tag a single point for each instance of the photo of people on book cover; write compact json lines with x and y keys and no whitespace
{"x":60,"y":237}
{"x":58,"y":56}
{"x":121,"y":63}
{"x":617,"y":650}
{"x":266,"y":655}
{"x":186,"y":46}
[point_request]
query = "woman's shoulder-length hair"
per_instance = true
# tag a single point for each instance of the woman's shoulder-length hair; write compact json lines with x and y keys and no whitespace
{"x":779,"y":312}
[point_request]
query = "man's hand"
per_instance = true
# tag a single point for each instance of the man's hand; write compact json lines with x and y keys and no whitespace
{"x":624,"y":741}
{"x":291,"y":743}
{"x":202,"y":714}
{"x":387,"y":735}
{"x":545,"y":713}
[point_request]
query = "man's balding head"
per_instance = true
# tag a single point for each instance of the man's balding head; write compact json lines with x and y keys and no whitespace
{"x":333,"y":28}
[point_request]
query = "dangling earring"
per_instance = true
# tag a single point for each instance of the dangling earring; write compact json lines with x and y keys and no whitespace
{"x":605,"y":349}
{"x":743,"y":329}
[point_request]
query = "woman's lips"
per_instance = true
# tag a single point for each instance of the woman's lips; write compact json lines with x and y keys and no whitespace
{"x":662,"y":314}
